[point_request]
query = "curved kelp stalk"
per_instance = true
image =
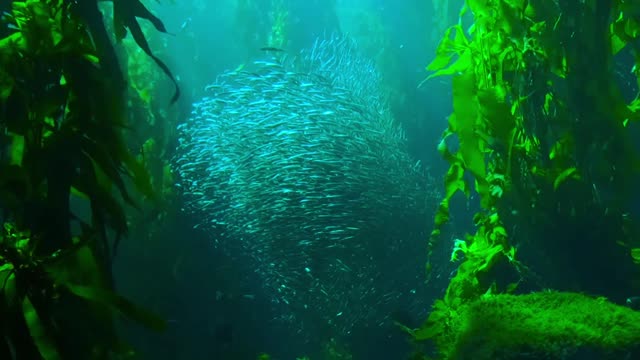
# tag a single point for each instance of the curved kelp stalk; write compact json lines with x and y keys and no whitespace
{"x":125,"y":13}
{"x":64,"y":170}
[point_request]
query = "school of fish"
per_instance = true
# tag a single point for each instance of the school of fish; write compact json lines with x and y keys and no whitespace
{"x":299,"y":169}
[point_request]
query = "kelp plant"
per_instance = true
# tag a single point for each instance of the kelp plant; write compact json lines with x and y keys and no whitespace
{"x":64,"y":178}
{"x":543,"y":119}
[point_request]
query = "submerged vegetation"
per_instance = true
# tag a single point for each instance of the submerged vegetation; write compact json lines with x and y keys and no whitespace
{"x":545,"y":108}
{"x":67,"y":174}
{"x":543,"y":118}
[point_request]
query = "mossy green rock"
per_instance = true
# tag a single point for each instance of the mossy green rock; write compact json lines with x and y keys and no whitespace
{"x":545,"y":325}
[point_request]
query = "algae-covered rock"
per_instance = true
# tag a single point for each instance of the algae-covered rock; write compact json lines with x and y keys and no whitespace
{"x":544,"y":325}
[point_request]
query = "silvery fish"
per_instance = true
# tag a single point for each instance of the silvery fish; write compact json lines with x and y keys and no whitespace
{"x":302,"y":167}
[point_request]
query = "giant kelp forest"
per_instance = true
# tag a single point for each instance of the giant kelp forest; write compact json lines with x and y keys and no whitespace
{"x":545,"y":100}
{"x":67,"y":176}
{"x":543,"y":136}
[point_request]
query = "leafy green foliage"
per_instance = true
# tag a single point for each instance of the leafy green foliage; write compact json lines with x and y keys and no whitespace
{"x":125,"y":17}
{"x":541,"y":125}
{"x":63,"y":122}
{"x":499,"y":117}
{"x":29,"y":278}
{"x":482,"y":119}
{"x":43,"y":342}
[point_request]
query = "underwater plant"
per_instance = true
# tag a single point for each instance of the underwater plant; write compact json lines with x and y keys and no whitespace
{"x":64,"y":178}
{"x":544,"y":132}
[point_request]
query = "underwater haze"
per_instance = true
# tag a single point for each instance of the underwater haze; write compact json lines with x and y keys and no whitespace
{"x":304,"y":164}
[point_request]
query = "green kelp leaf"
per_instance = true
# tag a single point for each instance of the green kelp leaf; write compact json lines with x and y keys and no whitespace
{"x":562,"y":148}
{"x":426,"y":332}
{"x":458,"y":246}
{"x":634,"y":110}
{"x":135,"y":8}
{"x":4,"y":269}
{"x":12,"y":44}
{"x":473,"y":158}
{"x":106,"y":167}
{"x":8,"y":285}
{"x":632,"y":28}
{"x":454,"y":181}
{"x":538,"y":27}
{"x":104,"y":199}
{"x":92,"y":58}
{"x":435,"y":323}
{"x":140,"y":176}
{"x":571,"y":172}
{"x":555,"y":150}
{"x":17,"y":149}
{"x":486,"y":256}
{"x":56,"y":37}
{"x":444,"y":53}
{"x":548,"y":99}
{"x":125,"y":13}
{"x":635,"y":254}
{"x":442,"y":215}
{"x":496,"y":114}
{"x":43,"y":341}
{"x":447,"y":50}
{"x":79,"y":194}
{"x":116,"y":302}
{"x":623,"y":30}
{"x":465,"y":107}
{"x":460,"y":65}
{"x":77,"y":265}
{"x":404,"y":328}
{"x":617,"y":44}
{"x":498,"y":233}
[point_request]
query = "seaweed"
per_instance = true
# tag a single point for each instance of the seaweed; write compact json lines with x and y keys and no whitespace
{"x":545,"y":134}
{"x":63,"y":119}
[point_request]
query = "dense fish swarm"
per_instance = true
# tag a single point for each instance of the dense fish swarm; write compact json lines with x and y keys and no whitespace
{"x":299,"y":169}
